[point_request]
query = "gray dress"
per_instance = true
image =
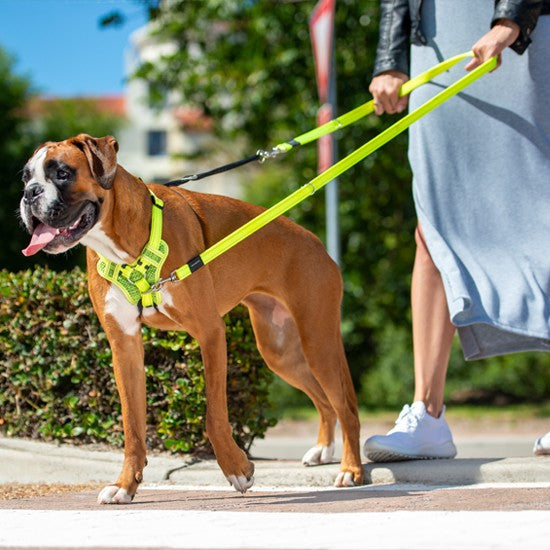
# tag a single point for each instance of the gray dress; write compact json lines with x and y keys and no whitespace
{"x":481,"y":165}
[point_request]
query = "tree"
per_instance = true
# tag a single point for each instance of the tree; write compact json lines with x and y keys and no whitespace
{"x":20,"y":133}
{"x":15,"y":146}
{"x":63,"y":118}
{"x":249,"y":65}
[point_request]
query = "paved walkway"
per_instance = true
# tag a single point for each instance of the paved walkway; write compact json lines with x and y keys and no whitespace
{"x":373,"y":517}
{"x":478,"y":500}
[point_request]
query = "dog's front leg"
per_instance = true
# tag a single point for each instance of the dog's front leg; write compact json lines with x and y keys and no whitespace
{"x":233,"y":461}
{"x":130,"y":380}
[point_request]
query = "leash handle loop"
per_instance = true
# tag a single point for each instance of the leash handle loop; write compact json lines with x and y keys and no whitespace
{"x":367,"y":108}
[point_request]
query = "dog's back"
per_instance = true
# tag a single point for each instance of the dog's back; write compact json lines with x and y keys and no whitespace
{"x":280,"y":250}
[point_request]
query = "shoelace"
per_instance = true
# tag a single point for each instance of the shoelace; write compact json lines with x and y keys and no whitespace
{"x":407,"y":418}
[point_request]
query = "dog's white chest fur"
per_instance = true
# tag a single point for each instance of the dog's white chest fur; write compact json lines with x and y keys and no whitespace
{"x":98,"y":240}
{"x":127,"y":315}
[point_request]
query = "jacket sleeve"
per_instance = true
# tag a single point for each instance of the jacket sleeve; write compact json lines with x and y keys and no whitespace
{"x":523,"y":12}
{"x":393,"y":51}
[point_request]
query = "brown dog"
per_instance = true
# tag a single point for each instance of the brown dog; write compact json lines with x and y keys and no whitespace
{"x":76,"y":193}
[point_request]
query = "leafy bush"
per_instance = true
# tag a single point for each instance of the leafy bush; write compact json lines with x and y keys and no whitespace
{"x":56,"y":379}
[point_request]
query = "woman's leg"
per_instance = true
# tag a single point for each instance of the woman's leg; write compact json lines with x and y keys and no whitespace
{"x":432,"y":329}
{"x":421,"y":430}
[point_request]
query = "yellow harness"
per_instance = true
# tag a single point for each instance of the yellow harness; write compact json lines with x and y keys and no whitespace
{"x":136,"y":280}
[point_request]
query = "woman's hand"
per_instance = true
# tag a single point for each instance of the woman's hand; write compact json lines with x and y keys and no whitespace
{"x":503,"y":34}
{"x":385,"y":91}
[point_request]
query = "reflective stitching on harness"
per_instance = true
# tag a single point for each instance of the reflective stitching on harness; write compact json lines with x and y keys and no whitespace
{"x":135,"y":279}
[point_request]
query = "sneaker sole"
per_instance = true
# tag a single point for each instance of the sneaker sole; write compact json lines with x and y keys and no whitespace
{"x":390,"y":455}
{"x":387,"y":456}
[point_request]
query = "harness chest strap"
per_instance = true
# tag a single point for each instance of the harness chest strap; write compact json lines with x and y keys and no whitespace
{"x":135,"y":280}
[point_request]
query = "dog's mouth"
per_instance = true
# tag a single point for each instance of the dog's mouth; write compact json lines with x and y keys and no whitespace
{"x":58,"y":239}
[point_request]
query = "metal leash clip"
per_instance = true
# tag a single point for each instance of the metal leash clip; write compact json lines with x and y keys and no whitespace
{"x":172,"y":278}
{"x":264,"y":155}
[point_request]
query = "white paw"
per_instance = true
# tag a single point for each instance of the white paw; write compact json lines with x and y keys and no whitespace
{"x":318,"y":455}
{"x":344,"y":479}
{"x":113,"y":495}
{"x":240,"y":483}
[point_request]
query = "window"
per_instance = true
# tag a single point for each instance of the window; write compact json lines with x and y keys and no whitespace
{"x":156,"y":143}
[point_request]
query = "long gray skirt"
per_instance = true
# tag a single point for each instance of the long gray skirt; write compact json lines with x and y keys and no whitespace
{"x":481,"y":185}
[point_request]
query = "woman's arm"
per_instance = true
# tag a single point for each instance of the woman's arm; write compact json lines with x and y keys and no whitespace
{"x":512,"y":24}
{"x":392,"y":53}
{"x":391,"y":67}
{"x":524,"y":13}
{"x":503,"y":34}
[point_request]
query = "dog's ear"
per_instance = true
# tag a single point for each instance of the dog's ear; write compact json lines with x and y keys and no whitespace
{"x":101,"y":156}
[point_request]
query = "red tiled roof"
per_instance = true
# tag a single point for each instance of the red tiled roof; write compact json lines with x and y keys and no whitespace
{"x":193,"y":119}
{"x":115,"y":104}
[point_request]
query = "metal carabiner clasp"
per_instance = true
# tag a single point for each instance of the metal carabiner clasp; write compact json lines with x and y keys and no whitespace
{"x":172,"y":278}
{"x":264,"y":155}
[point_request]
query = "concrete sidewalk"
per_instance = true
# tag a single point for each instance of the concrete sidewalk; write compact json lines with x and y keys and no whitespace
{"x":24,"y":461}
{"x":478,"y":500}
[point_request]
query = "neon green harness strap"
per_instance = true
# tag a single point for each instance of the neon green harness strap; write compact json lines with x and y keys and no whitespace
{"x":136,"y":279}
{"x":328,"y":175}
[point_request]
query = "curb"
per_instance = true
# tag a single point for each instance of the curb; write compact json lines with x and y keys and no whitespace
{"x":24,"y":461}
{"x":291,"y":473}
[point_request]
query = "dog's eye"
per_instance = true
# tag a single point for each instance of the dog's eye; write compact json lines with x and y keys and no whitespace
{"x":62,"y":175}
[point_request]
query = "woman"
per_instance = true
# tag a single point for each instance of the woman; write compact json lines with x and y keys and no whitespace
{"x":481,"y":185}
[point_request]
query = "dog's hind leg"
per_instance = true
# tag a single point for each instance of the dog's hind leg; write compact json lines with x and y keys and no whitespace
{"x":314,"y":300}
{"x":324,"y":352}
{"x":279,"y":343}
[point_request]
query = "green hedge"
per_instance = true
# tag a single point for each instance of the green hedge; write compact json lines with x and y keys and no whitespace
{"x":56,"y":380}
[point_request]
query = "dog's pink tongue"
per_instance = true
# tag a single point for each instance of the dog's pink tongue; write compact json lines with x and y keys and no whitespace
{"x":42,"y":235}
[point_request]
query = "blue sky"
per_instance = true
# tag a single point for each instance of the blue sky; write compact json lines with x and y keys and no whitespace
{"x":59,"y":46}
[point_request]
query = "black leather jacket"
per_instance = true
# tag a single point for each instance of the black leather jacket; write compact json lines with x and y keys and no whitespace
{"x":400,"y":24}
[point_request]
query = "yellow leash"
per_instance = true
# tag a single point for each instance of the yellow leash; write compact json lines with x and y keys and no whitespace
{"x":328,"y":128}
{"x":347,"y":162}
{"x":366,"y":109}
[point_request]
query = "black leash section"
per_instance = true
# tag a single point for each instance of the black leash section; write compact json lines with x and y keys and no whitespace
{"x":218,"y":170}
{"x":332,"y":126}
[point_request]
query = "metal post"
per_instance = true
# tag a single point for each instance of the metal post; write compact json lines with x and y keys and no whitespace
{"x":322,"y":35}
{"x":331,"y":193}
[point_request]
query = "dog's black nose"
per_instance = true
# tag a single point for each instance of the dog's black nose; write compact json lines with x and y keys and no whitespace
{"x":31,"y":192}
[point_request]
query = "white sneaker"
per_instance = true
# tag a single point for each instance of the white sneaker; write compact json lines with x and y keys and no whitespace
{"x":416,"y":435}
{"x":542,"y":445}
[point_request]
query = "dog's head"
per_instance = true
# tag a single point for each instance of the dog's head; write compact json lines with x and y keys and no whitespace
{"x":65,"y":185}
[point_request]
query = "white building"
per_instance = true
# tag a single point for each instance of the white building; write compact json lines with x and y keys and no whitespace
{"x":157,"y":144}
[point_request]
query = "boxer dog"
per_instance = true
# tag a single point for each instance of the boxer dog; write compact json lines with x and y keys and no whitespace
{"x":75,"y":192}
